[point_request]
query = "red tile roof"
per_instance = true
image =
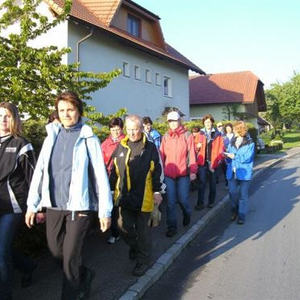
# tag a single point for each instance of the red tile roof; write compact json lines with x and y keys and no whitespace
{"x":235,"y":87}
{"x":100,"y":13}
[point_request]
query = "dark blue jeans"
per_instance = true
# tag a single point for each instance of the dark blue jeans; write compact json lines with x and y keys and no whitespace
{"x":178,"y":190}
{"x":9,"y":224}
{"x":238,"y":192}
{"x":205,"y":174}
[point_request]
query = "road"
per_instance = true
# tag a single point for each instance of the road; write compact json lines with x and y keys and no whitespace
{"x":258,"y":260}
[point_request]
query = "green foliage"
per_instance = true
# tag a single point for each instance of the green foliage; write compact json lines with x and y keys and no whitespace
{"x":97,"y":118}
{"x":282,"y":139}
{"x":32,"y":77}
{"x":283,"y":102}
{"x":35,"y":132}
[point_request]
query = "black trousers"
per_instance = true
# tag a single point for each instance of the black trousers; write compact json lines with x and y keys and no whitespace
{"x":114,"y":222}
{"x":135,"y":231}
{"x":66,"y":232}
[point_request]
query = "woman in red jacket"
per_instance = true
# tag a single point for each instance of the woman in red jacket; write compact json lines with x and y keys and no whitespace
{"x":110,"y":144}
{"x":209,"y":147}
{"x":179,"y":161}
{"x":108,"y":147}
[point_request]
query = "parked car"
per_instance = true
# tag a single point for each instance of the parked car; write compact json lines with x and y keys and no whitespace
{"x":260,"y":145}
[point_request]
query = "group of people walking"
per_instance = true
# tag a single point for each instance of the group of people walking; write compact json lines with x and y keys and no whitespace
{"x":122,"y":180}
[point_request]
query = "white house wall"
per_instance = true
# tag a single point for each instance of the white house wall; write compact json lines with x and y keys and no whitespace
{"x":103,"y":53}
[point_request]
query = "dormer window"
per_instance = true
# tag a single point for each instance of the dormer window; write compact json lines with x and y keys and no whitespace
{"x":134,"y":25}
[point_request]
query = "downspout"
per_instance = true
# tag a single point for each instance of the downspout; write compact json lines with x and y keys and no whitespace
{"x":78,"y":44}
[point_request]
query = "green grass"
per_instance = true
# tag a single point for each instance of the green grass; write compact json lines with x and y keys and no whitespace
{"x":291,"y":139}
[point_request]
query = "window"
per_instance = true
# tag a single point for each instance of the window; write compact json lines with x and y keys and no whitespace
{"x":134,"y":25}
{"x":126,"y":71}
{"x":167,"y":86}
{"x":157,"y":79}
{"x":148,"y":76}
{"x":137,"y":72}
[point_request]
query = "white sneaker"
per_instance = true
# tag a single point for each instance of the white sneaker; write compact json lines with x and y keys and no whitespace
{"x":112,"y":239}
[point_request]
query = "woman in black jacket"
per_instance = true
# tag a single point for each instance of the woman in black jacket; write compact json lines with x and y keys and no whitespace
{"x":17,"y":163}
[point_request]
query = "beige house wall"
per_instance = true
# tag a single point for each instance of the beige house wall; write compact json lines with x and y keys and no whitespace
{"x":218,"y":112}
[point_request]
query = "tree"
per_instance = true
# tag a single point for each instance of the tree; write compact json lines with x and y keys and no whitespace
{"x":283,"y":102}
{"x":31,"y":77}
{"x":230,"y":111}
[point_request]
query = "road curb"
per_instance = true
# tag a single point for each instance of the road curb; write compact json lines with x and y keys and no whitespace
{"x":137,"y":290}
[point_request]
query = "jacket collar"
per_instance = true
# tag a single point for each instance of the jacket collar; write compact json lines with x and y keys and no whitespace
{"x":213,"y":130}
{"x":246,"y":140}
{"x":177,"y":132}
{"x":54,"y":128}
{"x":118,"y":139}
{"x":124,"y":141}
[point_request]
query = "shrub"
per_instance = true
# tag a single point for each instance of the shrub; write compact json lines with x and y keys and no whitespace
{"x":34,"y":131}
{"x":278,"y":144}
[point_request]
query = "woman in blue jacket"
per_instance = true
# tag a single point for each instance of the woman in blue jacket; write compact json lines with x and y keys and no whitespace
{"x":240,"y":155}
{"x":70,"y":179}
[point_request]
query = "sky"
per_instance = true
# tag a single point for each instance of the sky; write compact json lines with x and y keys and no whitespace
{"x":262,"y":36}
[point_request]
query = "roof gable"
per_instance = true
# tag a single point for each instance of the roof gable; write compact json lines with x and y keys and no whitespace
{"x":104,"y":10}
{"x":236,"y":87}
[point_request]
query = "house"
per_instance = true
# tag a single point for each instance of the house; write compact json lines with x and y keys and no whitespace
{"x":263,"y":125}
{"x":227,"y":96}
{"x":120,"y":34}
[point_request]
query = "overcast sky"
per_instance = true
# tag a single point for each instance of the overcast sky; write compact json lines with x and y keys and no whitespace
{"x":234,"y":35}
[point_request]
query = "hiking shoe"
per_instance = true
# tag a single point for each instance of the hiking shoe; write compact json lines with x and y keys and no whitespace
{"x":240,"y":221}
{"x":26,"y":279}
{"x":132,"y":253}
{"x":199,"y":206}
{"x":112,"y":239}
{"x":186,"y":220}
{"x":171,"y":232}
{"x":139,"y":269}
{"x":233,"y":216}
{"x":210,"y":204}
{"x":88,"y":277}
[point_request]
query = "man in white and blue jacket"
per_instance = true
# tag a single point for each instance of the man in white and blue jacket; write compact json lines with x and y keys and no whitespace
{"x":70,"y":179}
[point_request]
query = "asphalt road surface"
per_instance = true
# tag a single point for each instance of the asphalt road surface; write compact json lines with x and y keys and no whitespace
{"x":257,"y":260}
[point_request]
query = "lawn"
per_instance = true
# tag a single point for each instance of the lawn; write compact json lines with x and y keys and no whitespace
{"x":291,"y":139}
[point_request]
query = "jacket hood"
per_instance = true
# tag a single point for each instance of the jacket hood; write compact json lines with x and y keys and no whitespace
{"x":177,"y":132}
